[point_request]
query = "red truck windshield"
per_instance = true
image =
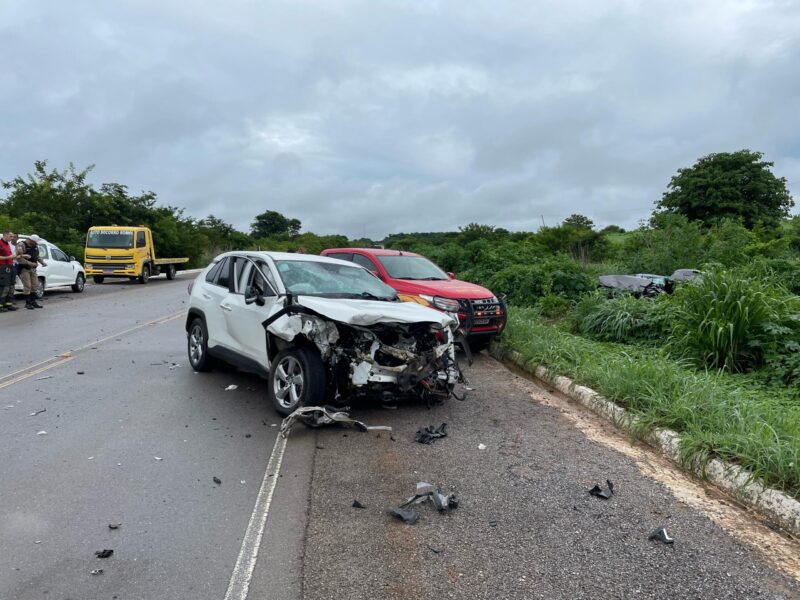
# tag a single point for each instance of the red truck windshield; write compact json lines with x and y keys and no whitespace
{"x":411,"y":267}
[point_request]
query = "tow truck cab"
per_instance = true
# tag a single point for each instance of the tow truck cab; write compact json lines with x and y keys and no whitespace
{"x":417,"y":279}
{"x":125,"y":252}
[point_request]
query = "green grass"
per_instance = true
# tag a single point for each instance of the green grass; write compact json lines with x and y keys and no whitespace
{"x":717,"y":415}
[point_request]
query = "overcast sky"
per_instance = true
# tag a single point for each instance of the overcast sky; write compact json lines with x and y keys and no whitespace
{"x":373,"y":117}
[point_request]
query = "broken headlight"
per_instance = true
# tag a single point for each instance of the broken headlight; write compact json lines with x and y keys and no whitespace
{"x":446,"y":304}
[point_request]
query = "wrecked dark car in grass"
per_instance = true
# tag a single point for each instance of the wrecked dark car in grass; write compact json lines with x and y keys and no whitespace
{"x":321,"y":330}
{"x":640,"y":287}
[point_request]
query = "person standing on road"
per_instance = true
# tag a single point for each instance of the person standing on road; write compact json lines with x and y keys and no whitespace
{"x":28,"y":259}
{"x":8,"y":275}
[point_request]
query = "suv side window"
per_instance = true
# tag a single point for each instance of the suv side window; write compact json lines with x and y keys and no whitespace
{"x":268,"y":274}
{"x":140,"y":239}
{"x":363,"y":261}
{"x":59,"y":255}
{"x":340,"y":255}
{"x":252,"y":277}
{"x":212,"y":272}
{"x":219,"y":275}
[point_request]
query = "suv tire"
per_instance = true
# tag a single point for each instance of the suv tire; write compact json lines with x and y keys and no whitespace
{"x":197,"y":346}
{"x":296,"y":378}
{"x":80,"y":282}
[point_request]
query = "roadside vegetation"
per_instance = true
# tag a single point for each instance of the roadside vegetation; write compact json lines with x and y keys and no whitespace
{"x":718,"y":360}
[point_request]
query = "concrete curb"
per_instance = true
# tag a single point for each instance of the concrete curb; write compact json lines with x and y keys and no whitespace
{"x":740,"y":483}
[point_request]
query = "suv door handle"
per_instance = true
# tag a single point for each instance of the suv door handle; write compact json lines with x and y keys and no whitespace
{"x":227,"y":307}
{"x":206,"y":296}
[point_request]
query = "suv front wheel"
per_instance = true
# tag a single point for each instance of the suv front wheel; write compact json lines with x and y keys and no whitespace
{"x":296,"y":378}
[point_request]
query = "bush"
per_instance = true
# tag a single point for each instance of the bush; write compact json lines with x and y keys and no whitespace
{"x":552,"y":306}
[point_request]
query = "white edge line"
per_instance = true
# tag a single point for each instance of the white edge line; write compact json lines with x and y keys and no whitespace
{"x":243,"y":570}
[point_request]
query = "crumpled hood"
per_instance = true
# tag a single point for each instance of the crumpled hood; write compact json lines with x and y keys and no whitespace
{"x":371,"y":312}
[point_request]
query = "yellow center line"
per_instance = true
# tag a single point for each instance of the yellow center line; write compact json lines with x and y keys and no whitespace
{"x":60,"y":359}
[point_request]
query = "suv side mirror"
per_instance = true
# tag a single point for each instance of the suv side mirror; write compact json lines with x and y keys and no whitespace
{"x":71,"y":258}
{"x":451,"y":275}
{"x":252,"y":296}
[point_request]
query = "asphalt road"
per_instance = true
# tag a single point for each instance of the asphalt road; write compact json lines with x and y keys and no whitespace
{"x":109,"y":367}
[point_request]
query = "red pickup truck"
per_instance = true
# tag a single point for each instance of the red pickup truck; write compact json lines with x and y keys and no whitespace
{"x":416,"y":279}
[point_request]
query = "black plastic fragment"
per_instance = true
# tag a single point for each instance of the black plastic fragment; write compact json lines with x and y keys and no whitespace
{"x":103,"y":553}
{"x":407,"y":516}
{"x":661,"y":535}
{"x":217,"y":480}
{"x":599,"y":492}
{"x":434,"y":550}
{"x":114,"y":525}
{"x":428,"y":434}
{"x":357,"y":504}
{"x":97,"y":571}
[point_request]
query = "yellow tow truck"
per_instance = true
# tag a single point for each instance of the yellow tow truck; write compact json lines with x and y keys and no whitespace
{"x":125,"y":252}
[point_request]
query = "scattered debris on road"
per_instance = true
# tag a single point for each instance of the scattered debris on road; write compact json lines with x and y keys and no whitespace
{"x":97,"y":571}
{"x":357,"y":504}
{"x":158,"y":458}
{"x":427,"y":435}
{"x":231,"y":387}
{"x":41,"y":432}
{"x":43,"y":377}
{"x":661,"y":535}
{"x":174,"y":366}
{"x":217,"y":480}
{"x":599,"y":492}
{"x":481,"y":446}
{"x":38,"y":412}
{"x":319,"y":416}
{"x":426,"y":491}
{"x":407,"y":516}
{"x":103,"y":553}
{"x":114,"y":525}
{"x":81,"y":373}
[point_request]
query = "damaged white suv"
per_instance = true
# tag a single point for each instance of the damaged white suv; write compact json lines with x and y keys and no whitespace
{"x":321,"y":330}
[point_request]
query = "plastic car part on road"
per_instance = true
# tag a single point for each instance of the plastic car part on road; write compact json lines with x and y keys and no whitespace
{"x":320,"y":416}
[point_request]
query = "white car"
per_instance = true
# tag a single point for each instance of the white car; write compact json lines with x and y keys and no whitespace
{"x":321,"y":330}
{"x":61,"y":270}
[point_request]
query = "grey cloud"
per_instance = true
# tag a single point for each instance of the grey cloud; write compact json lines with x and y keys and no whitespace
{"x":371,"y":118}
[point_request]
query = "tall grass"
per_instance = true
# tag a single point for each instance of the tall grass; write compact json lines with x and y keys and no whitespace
{"x":623,"y":318}
{"x":721,"y":321}
{"x":716,"y":414}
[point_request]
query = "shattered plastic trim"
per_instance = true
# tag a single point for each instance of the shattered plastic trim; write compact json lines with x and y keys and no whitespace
{"x":738,"y":482}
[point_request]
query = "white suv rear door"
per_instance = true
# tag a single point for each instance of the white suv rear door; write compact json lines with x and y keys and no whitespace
{"x":212,"y":293}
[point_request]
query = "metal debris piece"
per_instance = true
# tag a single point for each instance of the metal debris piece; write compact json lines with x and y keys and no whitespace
{"x":408,"y":516}
{"x":43,"y":432}
{"x":103,"y":553}
{"x":217,"y":480}
{"x":114,"y":525}
{"x":601,"y":493}
{"x":38,"y":412}
{"x":357,"y":504}
{"x":319,"y":416}
{"x":158,"y":458}
{"x":427,"y":435}
{"x":97,"y":571}
{"x":427,"y":492}
{"x":661,"y":535}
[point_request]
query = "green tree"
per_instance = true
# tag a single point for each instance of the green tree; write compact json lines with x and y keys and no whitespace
{"x":271,"y":223}
{"x":579,"y":222}
{"x":737,"y":185}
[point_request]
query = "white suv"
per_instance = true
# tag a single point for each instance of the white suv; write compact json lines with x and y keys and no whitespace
{"x":319,"y":329}
{"x":61,"y":270}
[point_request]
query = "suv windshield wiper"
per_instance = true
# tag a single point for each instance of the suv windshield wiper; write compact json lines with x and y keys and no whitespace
{"x":369,"y":296}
